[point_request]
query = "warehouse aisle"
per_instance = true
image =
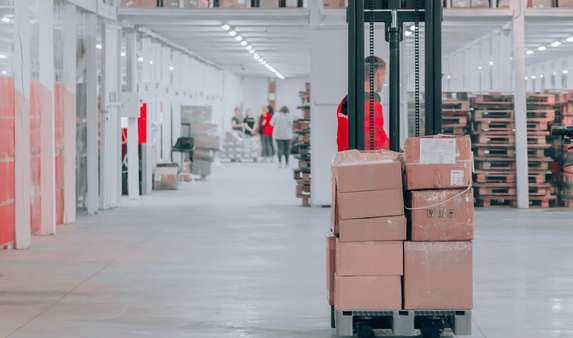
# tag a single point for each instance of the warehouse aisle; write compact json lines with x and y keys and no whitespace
{"x":237,"y":257}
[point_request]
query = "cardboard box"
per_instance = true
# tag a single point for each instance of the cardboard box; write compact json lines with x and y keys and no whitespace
{"x":166,"y":177}
{"x":365,"y":204}
{"x":375,"y":258}
{"x":439,"y":149}
{"x":368,"y":293}
{"x":480,"y":4}
{"x":233,"y":4}
{"x":365,"y":171}
{"x":333,"y":4}
{"x":565,"y":3}
{"x":330,"y":266}
{"x":441,"y":215}
{"x":438,"y":275}
{"x":438,"y":162}
{"x":139,"y":3}
{"x":372,"y":229}
{"x":195,"y":4}
{"x":542,"y":3}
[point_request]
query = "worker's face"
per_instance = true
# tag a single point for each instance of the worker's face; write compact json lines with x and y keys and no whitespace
{"x":380,"y":78}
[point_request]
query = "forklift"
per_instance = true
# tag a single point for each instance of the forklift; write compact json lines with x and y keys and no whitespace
{"x":396,"y":15}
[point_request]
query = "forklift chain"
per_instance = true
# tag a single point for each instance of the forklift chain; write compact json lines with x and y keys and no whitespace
{"x":417,"y":75}
{"x":371,"y":78}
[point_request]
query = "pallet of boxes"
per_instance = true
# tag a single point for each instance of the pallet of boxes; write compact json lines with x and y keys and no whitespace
{"x":395,"y":272}
{"x":301,"y":128}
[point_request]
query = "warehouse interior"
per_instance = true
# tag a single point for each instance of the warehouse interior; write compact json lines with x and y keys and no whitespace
{"x":139,"y":196}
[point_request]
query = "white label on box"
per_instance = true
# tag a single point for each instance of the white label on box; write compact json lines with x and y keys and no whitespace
{"x":457,"y":178}
{"x":437,"y":151}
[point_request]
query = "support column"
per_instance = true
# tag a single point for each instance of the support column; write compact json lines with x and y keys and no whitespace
{"x":70,"y":68}
{"x":47,"y":129}
{"x":92,"y":115}
{"x":132,"y":130}
{"x":22,"y":69}
{"x":521,"y":161}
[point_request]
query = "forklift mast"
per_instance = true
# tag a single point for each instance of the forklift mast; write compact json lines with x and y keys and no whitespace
{"x":394,"y":14}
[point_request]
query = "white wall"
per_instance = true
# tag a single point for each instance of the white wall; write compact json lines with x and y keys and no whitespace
{"x":254,"y":94}
{"x":288,"y":93}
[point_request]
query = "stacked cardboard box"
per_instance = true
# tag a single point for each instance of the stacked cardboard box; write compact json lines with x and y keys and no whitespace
{"x":562,"y":150}
{"x":455,"y":113}
{"x":438,"y":255}
{"x":365,"y":249}
{"x":301,"y":128}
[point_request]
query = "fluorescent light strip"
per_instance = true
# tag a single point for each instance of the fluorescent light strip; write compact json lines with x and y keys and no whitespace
{"x":541,"y":48}
{"x":556,"y":44}
{"x":226,"y":27}
{"x":529,"y":52}
{"x":569,"y":39}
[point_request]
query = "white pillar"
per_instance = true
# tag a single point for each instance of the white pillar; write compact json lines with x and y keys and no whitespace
{"x":70,"y":64}
{"x":132,"y":130}
{"x":92,"y":115}
{"x":22,"y":124}
{"x":521,"y":160}
{"x":47,"y":128}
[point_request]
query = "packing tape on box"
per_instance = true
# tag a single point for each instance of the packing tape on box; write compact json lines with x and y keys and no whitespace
{"x":441,"y":202}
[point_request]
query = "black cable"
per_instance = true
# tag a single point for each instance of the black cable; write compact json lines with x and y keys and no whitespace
{"x":371,"y":77}
{"x":417,"y":76}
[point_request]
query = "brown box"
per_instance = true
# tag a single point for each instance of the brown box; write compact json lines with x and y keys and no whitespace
{"x":543,"y":3}
{"x":365,"y":204}
{"x":233,"y":4}
{"x":369,"y":258}
{"x":139,"y":3}
{"x":333,"y":4}
{"x":442,"y":215}
{"x":391,"y":228}
{"x":565,"y":3}
{"x":437,"y":275}
{"x":330,"y":266}
{"x":438,"y":162}
{"x":366,"y":171}
{"x":368,"y":293}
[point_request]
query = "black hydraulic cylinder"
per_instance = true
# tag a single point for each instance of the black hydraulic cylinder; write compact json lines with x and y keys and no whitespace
{"x":394,"y":37}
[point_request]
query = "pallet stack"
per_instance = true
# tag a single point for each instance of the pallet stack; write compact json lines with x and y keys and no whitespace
{"x":494,"y":150}
{"x":301,"y":130}
{"x":540,"y":117}
{"x":455,"y":113}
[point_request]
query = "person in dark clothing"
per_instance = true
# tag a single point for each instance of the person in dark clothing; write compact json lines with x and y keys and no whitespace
{"x":249,"y":124}
{"x":282,"y":123}
{"x":236,"y":121}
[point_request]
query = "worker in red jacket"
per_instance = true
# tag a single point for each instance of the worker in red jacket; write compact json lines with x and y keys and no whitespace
{"x":381,"y":140}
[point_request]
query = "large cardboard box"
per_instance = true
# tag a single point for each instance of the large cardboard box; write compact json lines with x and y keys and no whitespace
{"x":542,"y":3}
{"x":391,"y":228}
{"x":441,"y":215}
{"x":368,"y":293}
{"x":438,"y":162}
{"x":438,"y":275}
{"x":333,"y":4}
{"x":330,"y":266}
{"x":139,"y":3}
{"x":366,"y":171}
{"x":565,"y":3}
{"x":369,"y":258}
{"x":365,"y":204}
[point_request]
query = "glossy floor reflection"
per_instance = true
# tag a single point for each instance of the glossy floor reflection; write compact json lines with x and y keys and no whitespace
{"x":237,"y":257}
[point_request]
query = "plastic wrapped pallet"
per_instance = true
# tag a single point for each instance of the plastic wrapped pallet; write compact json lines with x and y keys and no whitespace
{"x":139,"y":3}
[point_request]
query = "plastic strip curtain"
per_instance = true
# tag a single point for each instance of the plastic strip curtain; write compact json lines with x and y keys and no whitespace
{"x":7,"y":156}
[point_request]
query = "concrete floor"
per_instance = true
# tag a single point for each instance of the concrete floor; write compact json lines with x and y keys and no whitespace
{"x":237,"y":257}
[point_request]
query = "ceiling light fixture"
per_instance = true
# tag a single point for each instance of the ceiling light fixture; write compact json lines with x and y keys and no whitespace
{"x":171,"y":68}
{"x":244,"y":43}
{"x":150,"y":62}
{"x":541,"y":48}
{"x":569,"y":39}
{"x":533,"y":77}
{"x":541,"y":76}
{"x":226,"y":27}
{"x":140,"y":59}
{"x":122,"y":54}
{"x":249,"y":47}
{"x":565,"y":71}
{"x":2,"y":56}
{"x":491,"y":63}
{"x":239,"y":38}
{"x":252,"y":51}
{"x":480,"y":67}
{"x":4,"y":72}
{"x":99,"y":46}
{"x":556,"y":44}
{"x":232,"y":33}
{"x":529,"y":52}
{"x":5,"y":20}
{"x":256,"y":56}
{"x":408,"y":33}
{"x":413,"y":28}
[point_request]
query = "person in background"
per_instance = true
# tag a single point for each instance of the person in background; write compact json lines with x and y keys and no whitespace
{"x":380,"y":137}
{"x":266,"y":131}
{"x":249,"y":124}
{"x":236,"y":121}
{"x":282,"y":123}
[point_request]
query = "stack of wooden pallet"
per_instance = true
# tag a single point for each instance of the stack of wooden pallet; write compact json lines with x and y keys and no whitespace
{"x":540,"y":117}
{"x":455,"y":113}
{"x":494,"y":150}
{"x":301,"y":128}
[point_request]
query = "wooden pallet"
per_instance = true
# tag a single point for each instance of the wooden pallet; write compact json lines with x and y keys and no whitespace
{"x":537,"y":125}
{"x":489,"y":151}
{"x":542,"y":202}
{"x":541,"y":115}
{"x":453,"y":112}
{"x":495,"y":138}
{"x":454,"y":121}
{"x":496,"y":189}
{"x":494,"y":126}
{"x":454,"y":130}
{"x":541,"y":99}
{"x":498,"y":115}
{"x":497,"y":201}
{"x":508,"y":177}
{"x":493,"y":100}
{"x":543,"y":189}
{"x":494,"y":164}
{"x":456,"y":105}
{"x":536,"y":139}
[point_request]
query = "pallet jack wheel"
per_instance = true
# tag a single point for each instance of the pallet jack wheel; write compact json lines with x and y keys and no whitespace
{"x":365,"y":331}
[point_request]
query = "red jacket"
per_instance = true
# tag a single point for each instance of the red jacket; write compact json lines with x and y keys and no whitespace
{"x":381,"y":140}
{"x":267,"y":127}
